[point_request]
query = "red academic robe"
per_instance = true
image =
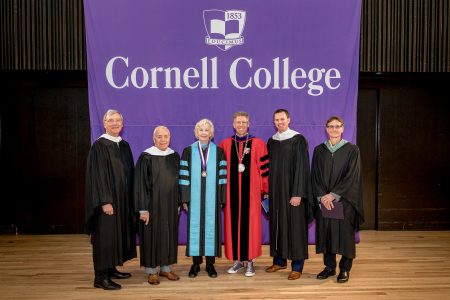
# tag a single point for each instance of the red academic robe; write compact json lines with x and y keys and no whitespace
{"x":242,"y":212}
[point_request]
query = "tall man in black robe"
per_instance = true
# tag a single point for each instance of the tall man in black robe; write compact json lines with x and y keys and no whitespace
{"x":156,"y":197}
{"x":336,"y":177}
{"x":109,"y":205}
{"x":290,"y":204}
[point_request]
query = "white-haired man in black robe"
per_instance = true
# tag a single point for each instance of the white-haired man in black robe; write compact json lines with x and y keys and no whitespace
{"x":109,"y":205}
{"x":157,"y":197}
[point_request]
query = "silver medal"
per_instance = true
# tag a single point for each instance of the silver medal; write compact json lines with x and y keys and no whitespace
{"x":241,"y":167}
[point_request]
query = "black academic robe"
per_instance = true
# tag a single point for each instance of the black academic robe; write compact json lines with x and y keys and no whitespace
{"x":156,"y":190}
{"x":205,"y":196}
{"x":109,"y":179}
{"x":289,"y":177}
{"x":339,"y":173}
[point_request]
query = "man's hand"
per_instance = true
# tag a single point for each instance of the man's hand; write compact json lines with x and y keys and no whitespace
{"x":327,"y":201}
{"x":295,"y":201}
{"x":145,"y":217}
{"x":108,"y":209}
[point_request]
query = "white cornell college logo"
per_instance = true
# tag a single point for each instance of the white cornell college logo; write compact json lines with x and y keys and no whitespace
{"x":224,"y":28}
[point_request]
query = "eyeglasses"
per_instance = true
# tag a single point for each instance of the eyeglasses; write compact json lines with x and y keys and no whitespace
{"x":334,"y":126}
{"x":109,"y":121}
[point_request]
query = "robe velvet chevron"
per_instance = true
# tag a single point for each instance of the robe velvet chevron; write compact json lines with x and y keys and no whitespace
{"x":242,"y":213}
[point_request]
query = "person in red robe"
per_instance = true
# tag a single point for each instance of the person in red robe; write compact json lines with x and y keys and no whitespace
{"x":247,"y":177}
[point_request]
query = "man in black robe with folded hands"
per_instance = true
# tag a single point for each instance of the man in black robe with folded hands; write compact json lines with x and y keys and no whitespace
{"x":157,"y":201}
{"x":336,"y":177}
{"x":109,"y":206}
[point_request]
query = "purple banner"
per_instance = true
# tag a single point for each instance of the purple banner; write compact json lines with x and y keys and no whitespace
{"x":170,"y":62}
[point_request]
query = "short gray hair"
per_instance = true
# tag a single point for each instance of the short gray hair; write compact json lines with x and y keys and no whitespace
{"x":160,"y":127}
{"x":204,"y":122}
{"x":111,"y":112}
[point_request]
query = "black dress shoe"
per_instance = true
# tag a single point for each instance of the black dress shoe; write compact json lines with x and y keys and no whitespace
{"x":343,"y":276}
{"x":211,"y":271}
{"x":194,"y":270}
{"x":114,"y":273}
{"x":107,"y":284}
{"x":326,"y":273}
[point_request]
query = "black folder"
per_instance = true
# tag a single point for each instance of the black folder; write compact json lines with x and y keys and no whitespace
{"x":337,"y":212}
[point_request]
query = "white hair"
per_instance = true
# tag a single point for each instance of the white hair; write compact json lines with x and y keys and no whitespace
{"x":204,"y":122}
{"x":160,"y":127}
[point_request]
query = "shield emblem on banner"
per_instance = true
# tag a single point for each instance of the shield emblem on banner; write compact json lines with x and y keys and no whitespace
{"x":224,"y":28}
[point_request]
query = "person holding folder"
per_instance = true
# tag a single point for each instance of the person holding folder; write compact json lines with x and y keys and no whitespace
{"x":337,"y":186}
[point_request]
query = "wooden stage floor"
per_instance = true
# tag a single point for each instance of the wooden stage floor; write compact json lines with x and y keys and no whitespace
{"x":389,"y":265}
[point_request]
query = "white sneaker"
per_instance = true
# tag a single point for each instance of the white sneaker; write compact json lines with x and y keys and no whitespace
{"x":236,"y":267}
{"x":250,"y":269}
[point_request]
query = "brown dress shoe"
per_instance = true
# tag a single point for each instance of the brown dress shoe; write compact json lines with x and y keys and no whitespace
{"x":274,"y":268}
{"x":294,"y":275}
{"x":169,"y":275}
{"x":153,"y":279}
